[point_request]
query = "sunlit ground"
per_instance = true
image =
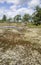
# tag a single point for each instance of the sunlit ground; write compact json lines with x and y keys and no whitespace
{"x":20,"y":46}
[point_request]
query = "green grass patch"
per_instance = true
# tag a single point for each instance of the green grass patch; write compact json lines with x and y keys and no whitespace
{"x":33,"y":26}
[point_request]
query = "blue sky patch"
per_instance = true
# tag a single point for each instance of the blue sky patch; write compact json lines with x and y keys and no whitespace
{"x":14,"y":7}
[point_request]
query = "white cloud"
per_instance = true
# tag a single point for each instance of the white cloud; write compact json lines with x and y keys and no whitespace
{"x":16,"y":2}
{"x":34,"y":3}
{"x":13,"y":1}
{"x":25,"y":10}
{"x":21,"y":2}
{"x":21,"y":10}
{"x":13,"y":8}
{"x":10,"y":13}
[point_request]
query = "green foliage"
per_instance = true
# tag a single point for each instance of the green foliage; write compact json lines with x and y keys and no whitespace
{"x":9,"y":20}
{"x":37,"y":16}
{"x":4,"y":18}
{"x":17,"y":18}
{"x":26,"y":17}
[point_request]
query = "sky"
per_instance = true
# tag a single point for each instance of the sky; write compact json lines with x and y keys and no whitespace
{"x":11,"y":8}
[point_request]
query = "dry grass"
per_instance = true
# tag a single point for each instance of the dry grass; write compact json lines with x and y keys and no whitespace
{"x":15,"y":49}
{"x":9,"y":24}
{"x":33,"y":35}
{"x":9,"y":39}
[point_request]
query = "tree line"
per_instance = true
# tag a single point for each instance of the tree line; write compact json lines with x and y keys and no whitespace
{"x":35,"y":18}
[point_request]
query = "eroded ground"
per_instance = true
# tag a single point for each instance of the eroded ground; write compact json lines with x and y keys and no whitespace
{"x":20,"y":47}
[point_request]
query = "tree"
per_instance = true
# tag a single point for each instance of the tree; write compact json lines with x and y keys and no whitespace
{"x":10,"y":20}
{"x":37,"y":15}
{"x":26,"y":17}
{"x":4,"y":18}
{"x":17,"y":18}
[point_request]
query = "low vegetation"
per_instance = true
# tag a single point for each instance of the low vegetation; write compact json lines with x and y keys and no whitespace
{"x":24,"y":48}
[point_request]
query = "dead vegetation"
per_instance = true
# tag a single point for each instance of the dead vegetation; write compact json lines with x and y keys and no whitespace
{"x":15,"y":49}
{"x":10,"y":39}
